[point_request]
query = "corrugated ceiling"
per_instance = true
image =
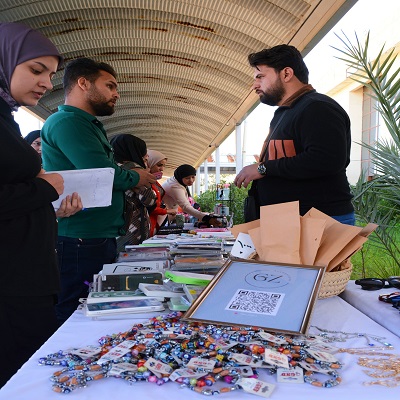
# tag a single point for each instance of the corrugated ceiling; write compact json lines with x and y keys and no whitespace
{"x":182,"y":65}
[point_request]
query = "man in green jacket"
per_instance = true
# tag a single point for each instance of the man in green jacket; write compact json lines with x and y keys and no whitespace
{"x":73,"y":138}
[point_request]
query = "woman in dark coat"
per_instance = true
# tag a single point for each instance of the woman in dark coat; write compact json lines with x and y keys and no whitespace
{"x":28,"y":227}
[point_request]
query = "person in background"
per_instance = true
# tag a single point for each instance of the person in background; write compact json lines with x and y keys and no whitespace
{"x":177,"y":194}
{"x":28,"y":226}
{"x":33,"y":138}
{"x":73,"y":138}
{"x":130,"y":153}
{"x":71,"y":204}
{"x":156,"y":163}
{"x":306,"y":154}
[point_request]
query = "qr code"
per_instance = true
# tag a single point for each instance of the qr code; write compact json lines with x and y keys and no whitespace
{"x":257,"y":302}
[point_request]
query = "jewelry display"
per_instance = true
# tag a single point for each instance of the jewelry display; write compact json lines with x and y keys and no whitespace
{"x":196,"y":356}
{"x":340,"y":336}
{"x":385,"y":367}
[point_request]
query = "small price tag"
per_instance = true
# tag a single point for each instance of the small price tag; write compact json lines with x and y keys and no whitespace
{"x":118,"y":369}
{"x":271,"y":338}
{"x":201,"y":364}
{"x":257,"y":387}
{"x":248,"y":360}
{"x":291,"y":375}
{"x":314,"y":368}
{"x":186,"y":373}
{"x":86,"y":352}
{"x":275,"y":358}
{"x":158,"y":368}
{"x":325,"y":347}
{"x":322,"y":356}
{"x":117,"y":351}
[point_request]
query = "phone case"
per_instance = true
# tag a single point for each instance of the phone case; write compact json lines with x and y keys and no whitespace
{"x":127,"y":281}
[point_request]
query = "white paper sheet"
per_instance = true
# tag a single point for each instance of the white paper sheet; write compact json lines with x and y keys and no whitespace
{"x":93,"y":185}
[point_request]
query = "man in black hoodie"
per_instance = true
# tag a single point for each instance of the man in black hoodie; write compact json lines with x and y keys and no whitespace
{"x":305,"y":156}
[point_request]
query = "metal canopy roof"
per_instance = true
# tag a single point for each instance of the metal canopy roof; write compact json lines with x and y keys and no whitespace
{"x":182,"y":65}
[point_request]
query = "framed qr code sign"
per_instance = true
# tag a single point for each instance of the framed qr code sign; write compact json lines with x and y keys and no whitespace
{"x":272,"y":296}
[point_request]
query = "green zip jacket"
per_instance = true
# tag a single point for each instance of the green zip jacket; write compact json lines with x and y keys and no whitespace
{"x":75,"y":139}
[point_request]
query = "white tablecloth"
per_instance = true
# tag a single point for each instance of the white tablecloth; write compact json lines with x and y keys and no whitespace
{"x":32,"y":381}
{"x":367,"y":301}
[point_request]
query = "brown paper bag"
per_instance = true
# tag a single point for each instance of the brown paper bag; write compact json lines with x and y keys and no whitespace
{"x":280,"y":233}
{"x":244,"y":228}
{"x":336,"y":237}
{"x":312,"y":230}
{"x":255,"y":237}
{"x":352,"y":247}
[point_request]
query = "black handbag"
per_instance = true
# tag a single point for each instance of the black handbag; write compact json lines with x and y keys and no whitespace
{"x":251,"y":210}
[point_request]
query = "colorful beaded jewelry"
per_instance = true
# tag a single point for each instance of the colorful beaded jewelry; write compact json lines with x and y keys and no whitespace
{"x":207,"y":354}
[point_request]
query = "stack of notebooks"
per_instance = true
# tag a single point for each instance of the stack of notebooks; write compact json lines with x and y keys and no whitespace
{"x":197,"y":257}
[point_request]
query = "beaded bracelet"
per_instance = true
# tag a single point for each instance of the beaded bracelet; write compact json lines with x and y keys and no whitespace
{"x":66,"y":380}
{"x":174,"y":342}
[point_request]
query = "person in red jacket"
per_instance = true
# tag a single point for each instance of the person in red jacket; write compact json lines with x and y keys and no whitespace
{"x":156,"y":163}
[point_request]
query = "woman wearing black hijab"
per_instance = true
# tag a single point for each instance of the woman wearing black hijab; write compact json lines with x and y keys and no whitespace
{"x":130,"y":152}
{"x":177,"y":194}
{"x":28,"y":227}
{"x":33,"y":138}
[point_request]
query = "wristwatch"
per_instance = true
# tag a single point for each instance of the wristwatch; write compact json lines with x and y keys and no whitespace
{"x":262,"y":169}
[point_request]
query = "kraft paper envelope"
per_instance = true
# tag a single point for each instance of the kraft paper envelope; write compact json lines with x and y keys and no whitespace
{"x":336,"y":237}
{"x":244,"y":228}
{"x":352,"y":247}
{"x":280,"y":233}
{"x":255,"y":236}
{"x":312,"y":230}
{"x":314,"y":213}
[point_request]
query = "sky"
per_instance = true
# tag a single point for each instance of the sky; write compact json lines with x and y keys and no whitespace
{"x":360,"y":18}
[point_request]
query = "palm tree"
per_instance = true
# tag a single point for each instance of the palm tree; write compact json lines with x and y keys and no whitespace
{"x":379,"y":200}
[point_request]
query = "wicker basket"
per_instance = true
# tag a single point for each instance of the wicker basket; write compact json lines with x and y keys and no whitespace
{"x":334,"y":283}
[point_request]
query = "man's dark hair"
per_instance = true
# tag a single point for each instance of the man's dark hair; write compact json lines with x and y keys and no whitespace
{"x":280,"y":57}
{"x":84,"y":67}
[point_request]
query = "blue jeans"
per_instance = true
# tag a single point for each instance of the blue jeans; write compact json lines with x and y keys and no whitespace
{"x":348,"y":219}
{"x":79,"y":260}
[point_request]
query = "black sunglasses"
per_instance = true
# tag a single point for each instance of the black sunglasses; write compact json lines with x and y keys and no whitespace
{"x":377,"y":283}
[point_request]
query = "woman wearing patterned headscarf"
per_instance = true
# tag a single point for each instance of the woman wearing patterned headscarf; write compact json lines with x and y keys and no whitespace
{"x":156,"y":163}
{"x":28,"y":226}
{"x":130,"y":152}
{"x":177,"y":194}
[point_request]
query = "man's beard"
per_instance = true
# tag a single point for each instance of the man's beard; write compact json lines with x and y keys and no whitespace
{"x":99,"y":104}
{"x":274,"y":96}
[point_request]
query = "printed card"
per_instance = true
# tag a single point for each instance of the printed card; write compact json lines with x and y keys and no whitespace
{"x":248,"y":360}
{"x":314,"y":368}
{"x":119,"y":368}
{"x":275,"y":358}
{"x":86,"y":352}
{"x":291,"y":375}
{"x":201,"y":364}
{"x":117,"y":351}
{"x":257,"y":387}
{"x":157,"y":367}
{"x":186,"y":373}
{"x":271,"y":338}
{"x":322,"y":356}
{"x":243,"y":246}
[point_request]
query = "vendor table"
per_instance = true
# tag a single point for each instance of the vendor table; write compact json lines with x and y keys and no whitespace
{"x":367,"y":301}
{"x":32,"y":382}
